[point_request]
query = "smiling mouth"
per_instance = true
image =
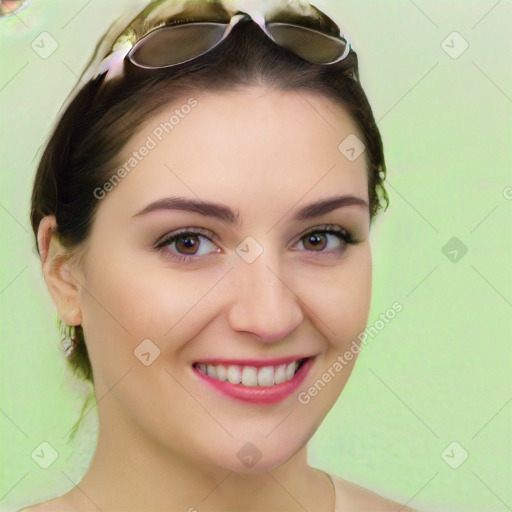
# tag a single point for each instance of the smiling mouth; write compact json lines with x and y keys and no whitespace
{"x":252,"y":376}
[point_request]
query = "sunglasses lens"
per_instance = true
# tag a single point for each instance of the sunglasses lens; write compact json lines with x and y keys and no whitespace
{"x":176,"y":44}
{"x":307,"y":43}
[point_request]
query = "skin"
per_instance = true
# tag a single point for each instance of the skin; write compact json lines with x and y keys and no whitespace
{"x":166,"y":440}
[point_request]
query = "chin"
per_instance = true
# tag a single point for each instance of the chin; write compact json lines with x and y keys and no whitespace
{"x":262,"y":451}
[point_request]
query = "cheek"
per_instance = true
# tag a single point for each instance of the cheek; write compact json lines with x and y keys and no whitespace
{"x":340,"y":299}
{"x":356,"y":298}
{"x":126,"y":302}
{"x":345,"y":308}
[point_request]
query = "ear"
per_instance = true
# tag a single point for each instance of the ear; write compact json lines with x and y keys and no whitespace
{"x":57,"y":271}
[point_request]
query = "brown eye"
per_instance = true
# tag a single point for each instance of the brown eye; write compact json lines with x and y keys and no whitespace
{"x":315,"y":242}
{"x":326,"y":240}
{"x":187,"y":244}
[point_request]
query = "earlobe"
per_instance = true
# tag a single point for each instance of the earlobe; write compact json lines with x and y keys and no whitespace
{"x":56,"y":265}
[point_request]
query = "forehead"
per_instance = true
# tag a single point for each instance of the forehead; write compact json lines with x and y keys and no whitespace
{"x":242,"y":144}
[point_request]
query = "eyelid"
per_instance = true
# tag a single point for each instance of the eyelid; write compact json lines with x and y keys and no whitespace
{"x":172,"y":234}
{"x":214,"y":238}
{"x":343,"y":234}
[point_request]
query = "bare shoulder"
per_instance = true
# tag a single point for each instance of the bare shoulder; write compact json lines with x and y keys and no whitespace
{"x":355,"y":498}
{"x":60,"y":504}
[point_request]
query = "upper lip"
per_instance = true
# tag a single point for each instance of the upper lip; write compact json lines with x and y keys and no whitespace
{"x":258,"y":363}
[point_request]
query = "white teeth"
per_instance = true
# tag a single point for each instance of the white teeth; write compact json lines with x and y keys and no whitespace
{"x":266,"y":376}
{"x":250,"y":375}
{"x":280,"y":374}
{"x":221,"y":372}
{"x":233,"y":374}
{"x":290,"y":370}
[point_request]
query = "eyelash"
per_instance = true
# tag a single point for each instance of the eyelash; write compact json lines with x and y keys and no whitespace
{"x":161,"y":245}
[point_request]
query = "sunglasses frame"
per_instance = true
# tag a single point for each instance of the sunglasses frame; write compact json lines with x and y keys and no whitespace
{"x":235,"y":19}
{"x":124,"y":47}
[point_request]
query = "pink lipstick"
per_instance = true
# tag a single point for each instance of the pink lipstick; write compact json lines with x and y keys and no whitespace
{"x":255,"y":381}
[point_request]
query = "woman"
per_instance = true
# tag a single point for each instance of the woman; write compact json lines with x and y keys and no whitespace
{"x":202,"y":212}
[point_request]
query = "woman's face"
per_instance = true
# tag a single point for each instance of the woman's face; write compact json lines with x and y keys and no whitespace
{"x":259,"y":289}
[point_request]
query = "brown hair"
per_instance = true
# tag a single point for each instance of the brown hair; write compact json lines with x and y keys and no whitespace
{"x":86,"y":143}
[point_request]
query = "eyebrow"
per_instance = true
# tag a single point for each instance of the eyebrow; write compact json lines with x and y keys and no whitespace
{"x":224,"y":213}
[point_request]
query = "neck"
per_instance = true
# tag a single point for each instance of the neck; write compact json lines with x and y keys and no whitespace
{"x":132,"y":471}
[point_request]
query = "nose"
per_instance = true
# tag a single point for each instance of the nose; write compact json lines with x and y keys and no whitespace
{"x":264,"y":300}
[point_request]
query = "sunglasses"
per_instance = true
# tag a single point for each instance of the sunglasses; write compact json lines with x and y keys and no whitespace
{"x":172,"y":32}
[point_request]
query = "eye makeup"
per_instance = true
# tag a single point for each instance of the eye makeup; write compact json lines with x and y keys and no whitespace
{"x":192,"y":236}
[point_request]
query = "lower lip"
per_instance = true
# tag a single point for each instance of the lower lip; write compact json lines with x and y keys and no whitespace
{"x":259,"y":395}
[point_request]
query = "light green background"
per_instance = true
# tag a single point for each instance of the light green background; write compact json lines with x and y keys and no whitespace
{"x":439,"y":372}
